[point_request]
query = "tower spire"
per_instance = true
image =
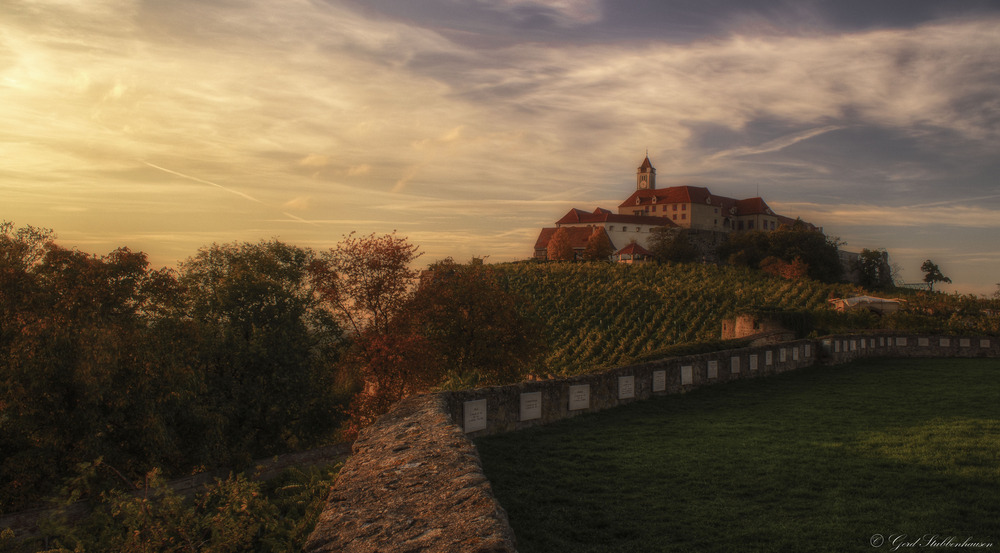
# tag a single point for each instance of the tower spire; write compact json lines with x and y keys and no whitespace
{"x":645,"y":175}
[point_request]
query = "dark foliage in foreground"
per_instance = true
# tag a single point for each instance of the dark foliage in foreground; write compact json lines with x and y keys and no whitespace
{"x":101,"y":357}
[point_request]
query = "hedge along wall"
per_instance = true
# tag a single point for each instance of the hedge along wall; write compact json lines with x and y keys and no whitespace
{"x":415,"y":482}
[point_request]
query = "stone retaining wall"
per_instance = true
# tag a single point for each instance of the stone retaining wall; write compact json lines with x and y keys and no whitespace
{"x":506,"y":408}
{"x":845,"y":348}
{"x":415,"y":482}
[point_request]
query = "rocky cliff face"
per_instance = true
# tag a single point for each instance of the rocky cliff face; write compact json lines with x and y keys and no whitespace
{"x":414,"y":483}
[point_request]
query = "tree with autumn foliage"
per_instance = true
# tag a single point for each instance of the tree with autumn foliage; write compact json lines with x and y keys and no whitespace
{"x":391,"y":366}
{"x":478,"y":332}
{"x":598,"y":246}
{"x":789,"y":243}
{"x":789,"y":270}
{"x":560,"y":248}
{"x":458,"y":323}
{"x":367,"y":279}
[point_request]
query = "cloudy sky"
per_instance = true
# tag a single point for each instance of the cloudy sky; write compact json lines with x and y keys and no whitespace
{"x":467,"y":125}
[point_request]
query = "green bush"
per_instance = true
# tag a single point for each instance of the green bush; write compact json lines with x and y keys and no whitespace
{"x":233,"y":514}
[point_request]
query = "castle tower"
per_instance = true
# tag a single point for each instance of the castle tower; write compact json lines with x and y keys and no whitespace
{"x":645,"y":176}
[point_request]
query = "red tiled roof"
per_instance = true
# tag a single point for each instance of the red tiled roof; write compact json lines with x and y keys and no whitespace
{"x":698,"y":195}
{"x":578,"y":216}
{"x":633,"y":249}
{"x":753,"y":206}
{"x":672,"y":195}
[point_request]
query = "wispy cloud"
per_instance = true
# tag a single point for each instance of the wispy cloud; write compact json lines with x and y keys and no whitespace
{"x":349,"y":118}
{"x":939,"y":215}
{"x":566,"y":12}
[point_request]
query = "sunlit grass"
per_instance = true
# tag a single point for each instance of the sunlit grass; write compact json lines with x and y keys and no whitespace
{"x":819,"y":459}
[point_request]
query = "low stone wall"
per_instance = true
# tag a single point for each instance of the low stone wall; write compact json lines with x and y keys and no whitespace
{"x":502,"y":409}
{"x":415,"y":482}
{"x":844,"y":348}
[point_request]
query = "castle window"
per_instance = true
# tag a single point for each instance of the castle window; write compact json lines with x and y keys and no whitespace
{"x":675,"y":207}
{"x":675,"y":216}
{"x":684,"y":216}
{"x":684,"y":207}
{"x":749,"y":225}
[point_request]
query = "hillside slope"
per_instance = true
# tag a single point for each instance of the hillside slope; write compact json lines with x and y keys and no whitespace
{"x":600,"y":314}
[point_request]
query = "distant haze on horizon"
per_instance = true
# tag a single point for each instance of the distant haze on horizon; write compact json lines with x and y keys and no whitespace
{"x":469,"y":125}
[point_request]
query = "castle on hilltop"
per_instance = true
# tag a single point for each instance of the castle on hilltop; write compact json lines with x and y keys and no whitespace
{"x":683,"y":207}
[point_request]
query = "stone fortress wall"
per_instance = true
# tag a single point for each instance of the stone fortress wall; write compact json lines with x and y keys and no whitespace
{"x":415,"y":482}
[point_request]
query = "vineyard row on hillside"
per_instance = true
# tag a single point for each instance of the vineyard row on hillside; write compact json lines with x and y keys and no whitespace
{"x":601,"y":315}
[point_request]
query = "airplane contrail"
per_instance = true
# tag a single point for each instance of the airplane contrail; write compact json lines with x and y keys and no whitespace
{"x":203,"y":181}
{"x":955,"y":201}
{"x":777,"y":144}
{"x":230,"y":190}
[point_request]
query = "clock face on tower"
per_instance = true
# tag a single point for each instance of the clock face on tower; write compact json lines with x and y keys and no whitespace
{"x":643,"y":181}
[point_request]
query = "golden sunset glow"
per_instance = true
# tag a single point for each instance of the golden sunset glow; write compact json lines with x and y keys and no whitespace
{"x":468,"y":126}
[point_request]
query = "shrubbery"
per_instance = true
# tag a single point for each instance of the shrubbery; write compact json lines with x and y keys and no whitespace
{"x":232,"y":359}
{"x":232,"y":514}
{"x":248,"y":350}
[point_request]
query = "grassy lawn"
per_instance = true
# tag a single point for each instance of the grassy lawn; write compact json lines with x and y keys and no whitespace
{"x":819,"y":459}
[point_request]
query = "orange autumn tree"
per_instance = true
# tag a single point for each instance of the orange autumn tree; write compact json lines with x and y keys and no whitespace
{"x":559,"y":248}
{"x":457,"y":323}
{"x":478,"y":330}
{"x":789,"y":270}
{"x":367,"y":281}
{"x":598,"y":246}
